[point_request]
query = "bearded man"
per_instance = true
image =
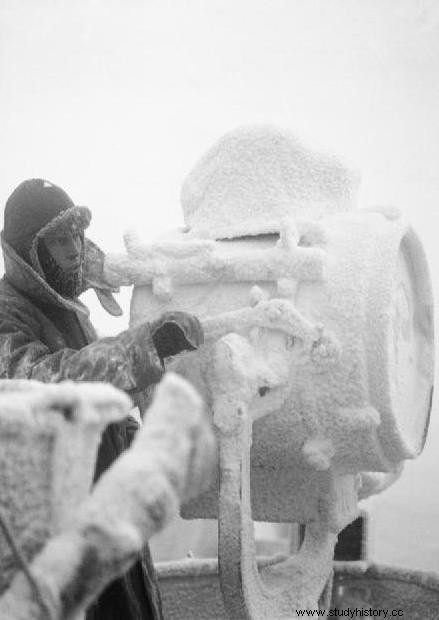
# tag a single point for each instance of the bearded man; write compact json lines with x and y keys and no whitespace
{"x":45,"y":335}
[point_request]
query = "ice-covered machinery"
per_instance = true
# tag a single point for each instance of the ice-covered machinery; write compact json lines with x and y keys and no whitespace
{"x":60,"y":541}
{"x":318,"y":362}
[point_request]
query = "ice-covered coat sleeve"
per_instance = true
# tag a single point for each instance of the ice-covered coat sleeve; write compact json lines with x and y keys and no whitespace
{"x":129,"y":361}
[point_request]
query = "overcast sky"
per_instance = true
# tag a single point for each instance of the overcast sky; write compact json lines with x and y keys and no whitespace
{"x":115,"y":102}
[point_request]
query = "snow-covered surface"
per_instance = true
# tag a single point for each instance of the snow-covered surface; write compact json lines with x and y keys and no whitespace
{"x":352,"y":286}
{"x":170,"y":460}
{"x":403,"y":522}
{"x":49,"y":435}
{"x":313,"y":374}
{"x":358,"y":585}
{"x":374,"y":273}
{"x":255,"y":176}
{"x":355,"y":75}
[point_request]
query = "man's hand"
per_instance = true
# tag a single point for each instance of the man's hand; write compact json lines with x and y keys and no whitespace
{"x":175,"y":332}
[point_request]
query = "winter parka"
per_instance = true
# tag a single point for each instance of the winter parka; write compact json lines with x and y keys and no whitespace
{"x":49,"y":338}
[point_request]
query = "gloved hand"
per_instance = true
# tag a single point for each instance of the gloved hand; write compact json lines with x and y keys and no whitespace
{"x":93,"y":277}
{"x":175,"y":332}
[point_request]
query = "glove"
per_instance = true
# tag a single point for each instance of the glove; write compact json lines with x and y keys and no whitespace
{"x":175,"y":332}
{"x":93,"y":277}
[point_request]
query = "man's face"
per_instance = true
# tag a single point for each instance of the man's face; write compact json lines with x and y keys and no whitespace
{"x":65,"y":249}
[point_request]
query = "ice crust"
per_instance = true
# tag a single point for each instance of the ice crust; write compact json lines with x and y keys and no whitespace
{"x":170,"y":460}
{"x":48,"y":441}
{"x":318,"y":361}
{"x":255,"y":176}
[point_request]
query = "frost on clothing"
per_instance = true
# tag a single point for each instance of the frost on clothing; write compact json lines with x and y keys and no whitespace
{"x":46,"y":337}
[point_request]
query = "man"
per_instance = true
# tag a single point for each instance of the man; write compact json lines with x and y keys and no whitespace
{"x":45,"y":335}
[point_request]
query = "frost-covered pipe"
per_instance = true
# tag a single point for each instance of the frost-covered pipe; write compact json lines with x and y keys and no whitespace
{"x":165,"y":265}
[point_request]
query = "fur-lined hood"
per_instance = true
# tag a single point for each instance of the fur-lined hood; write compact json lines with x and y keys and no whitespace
{"x":23,"y":277}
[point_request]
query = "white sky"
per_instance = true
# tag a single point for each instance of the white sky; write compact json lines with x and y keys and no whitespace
{"x":116,"y":100}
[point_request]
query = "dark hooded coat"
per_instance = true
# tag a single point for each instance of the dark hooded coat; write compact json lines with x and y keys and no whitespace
{"x":47,"y":337}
